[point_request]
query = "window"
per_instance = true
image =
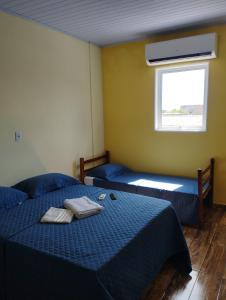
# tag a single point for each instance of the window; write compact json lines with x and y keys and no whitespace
{"x":181,"y":98}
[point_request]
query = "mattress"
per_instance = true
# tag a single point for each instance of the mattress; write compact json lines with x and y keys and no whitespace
{"x":180,"y":191}
{"x":112,"y":255}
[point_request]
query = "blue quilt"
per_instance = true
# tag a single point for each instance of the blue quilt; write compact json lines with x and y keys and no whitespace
{"x":16,"y":219}
{"x":181,"y":192}
{"x":112,"y":255}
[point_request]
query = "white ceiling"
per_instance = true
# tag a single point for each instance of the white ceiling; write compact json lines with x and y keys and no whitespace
{"x":105,"y":22}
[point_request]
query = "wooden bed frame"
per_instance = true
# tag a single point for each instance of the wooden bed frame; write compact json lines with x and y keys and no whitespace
{"x":205,"y":179}
{"x":102,"y":159}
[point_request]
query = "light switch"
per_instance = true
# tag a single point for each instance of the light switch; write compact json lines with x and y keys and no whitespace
{"x":18,"y":135}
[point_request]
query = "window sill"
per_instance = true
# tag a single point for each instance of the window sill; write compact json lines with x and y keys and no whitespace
{"x":180,"y":130}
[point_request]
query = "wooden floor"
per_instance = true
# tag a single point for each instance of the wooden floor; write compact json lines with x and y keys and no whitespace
{"x":207,"y":280}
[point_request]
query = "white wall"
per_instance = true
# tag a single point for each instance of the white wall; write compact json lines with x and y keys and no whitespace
{"x":46,"y":93}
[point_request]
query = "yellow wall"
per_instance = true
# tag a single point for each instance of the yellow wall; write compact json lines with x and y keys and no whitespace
{"x":129,"y":115}
{"x":45,"y":92}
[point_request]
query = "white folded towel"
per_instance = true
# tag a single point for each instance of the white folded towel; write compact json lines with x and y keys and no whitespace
{"x":82,"y":207}
{"x":57,"y":215}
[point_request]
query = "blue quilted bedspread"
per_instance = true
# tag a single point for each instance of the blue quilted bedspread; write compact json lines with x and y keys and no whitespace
{"x":112,"y":255}
{"x":15,"y":220}
{"x":181,"y":192}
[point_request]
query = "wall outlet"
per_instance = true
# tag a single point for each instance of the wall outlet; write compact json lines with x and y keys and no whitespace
{"x":18,"y":136}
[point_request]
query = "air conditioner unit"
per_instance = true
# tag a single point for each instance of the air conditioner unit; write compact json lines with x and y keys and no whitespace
{"x":197,"y":47}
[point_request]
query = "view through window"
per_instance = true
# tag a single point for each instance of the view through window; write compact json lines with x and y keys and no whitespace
{"x":181,"y":98}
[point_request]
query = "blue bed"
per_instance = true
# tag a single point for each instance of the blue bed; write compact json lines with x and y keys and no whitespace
{"x":182,"y":192}
{"x":21,"y":217}
{"x":112,"y":255}
{"x":187,"y":195}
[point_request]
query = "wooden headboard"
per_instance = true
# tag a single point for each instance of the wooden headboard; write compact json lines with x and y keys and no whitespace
{"x":102,"y":159}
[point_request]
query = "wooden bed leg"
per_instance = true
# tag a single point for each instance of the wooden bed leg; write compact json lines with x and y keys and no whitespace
{"x":82,"y":172}
{"x":107,"y":156}
{"x":200,"y":198}
{"x":212,"y":163}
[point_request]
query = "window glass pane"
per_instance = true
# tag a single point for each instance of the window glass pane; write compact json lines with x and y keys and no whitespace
{"x":181,"y":98}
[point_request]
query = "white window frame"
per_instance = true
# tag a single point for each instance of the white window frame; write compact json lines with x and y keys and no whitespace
{"x":158,"y":96}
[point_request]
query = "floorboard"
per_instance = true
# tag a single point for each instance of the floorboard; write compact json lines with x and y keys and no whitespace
{"x":181,"y":287}
{"x":222,"y":292}
{"x":206,"y":287}
{"x":207,"y":280}
{"x":158,"y":288}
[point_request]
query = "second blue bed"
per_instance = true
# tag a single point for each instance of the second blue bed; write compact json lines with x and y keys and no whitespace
{"x":181,"y":192}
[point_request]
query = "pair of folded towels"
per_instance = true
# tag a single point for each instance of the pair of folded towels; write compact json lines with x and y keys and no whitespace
{"x":78,"y":207}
